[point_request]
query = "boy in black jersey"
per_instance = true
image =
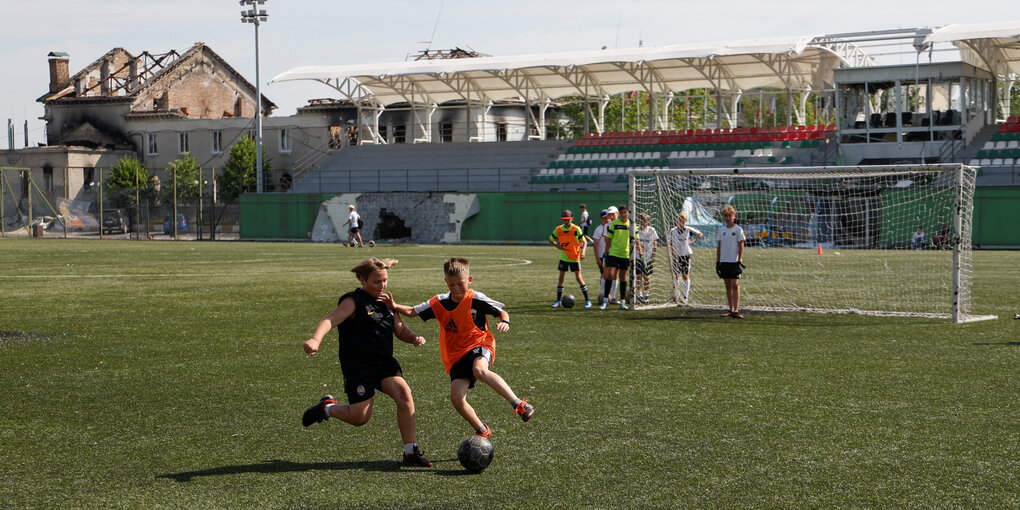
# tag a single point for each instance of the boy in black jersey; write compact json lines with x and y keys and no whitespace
{"x":367,"y":327}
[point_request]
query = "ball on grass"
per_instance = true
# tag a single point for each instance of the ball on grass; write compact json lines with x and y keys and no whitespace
{"x":567,"y":301}
{"x":475,"y":453}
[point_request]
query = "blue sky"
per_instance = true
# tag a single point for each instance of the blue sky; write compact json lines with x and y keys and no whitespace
{"x":331,"y":32}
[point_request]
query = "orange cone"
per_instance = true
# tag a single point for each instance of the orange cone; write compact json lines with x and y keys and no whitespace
{"x":819,"y":248}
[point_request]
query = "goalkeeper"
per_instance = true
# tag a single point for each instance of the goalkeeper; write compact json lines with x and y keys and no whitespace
{"x":729,"y":256}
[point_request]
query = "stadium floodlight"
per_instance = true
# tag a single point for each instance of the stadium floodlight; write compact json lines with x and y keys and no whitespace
{"x":864,"y":217}
{"x":256,"y":16}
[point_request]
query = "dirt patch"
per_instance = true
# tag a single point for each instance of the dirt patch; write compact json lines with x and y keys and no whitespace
{"x":7,"y":337}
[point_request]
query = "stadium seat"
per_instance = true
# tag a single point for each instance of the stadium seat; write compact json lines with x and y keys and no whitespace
{"x":974,"y":162}
{"x":997,"y":162}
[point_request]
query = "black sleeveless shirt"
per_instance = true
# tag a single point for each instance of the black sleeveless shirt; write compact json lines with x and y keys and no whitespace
{"x":366,"y":337}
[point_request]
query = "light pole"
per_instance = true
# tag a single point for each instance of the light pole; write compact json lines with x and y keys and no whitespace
{"x":252,"y":14}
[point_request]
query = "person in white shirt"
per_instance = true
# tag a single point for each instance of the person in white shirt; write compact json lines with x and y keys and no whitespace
{"x":585,"y":222}
{"x":680,"y":239}
{"x":918,"y":241}
{"x":600,"y":249}
{"x":354,"y":220}
{"x":648,"y":238}
{"x":729,"y":256}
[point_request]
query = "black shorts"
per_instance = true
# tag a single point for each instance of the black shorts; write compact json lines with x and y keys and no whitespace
{"x":729,"y":270}
{"x":354,"y":230}
{"x":642,"y":268}
{"x":617,"y":262}
{"x":464,"y":367}
{"x":682,"y":264}
{"x":573,"y":267}
{"x":361,"y":382}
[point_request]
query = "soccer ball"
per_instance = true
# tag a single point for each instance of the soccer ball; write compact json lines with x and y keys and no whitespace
{"x":354,"y":243}
{"x":567,"y":301}
{"x":475,"y":453}
{"x":371,"y":244}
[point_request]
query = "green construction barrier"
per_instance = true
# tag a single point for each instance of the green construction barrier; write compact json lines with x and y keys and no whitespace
{"x":995,"y":211}
{"x":531,"y":217}
{"x":279,"y":216}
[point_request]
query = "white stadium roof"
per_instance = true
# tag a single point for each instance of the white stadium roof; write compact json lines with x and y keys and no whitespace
{"x":793,"y":63}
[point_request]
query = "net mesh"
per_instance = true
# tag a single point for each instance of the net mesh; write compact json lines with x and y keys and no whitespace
{"x":864,"y":220}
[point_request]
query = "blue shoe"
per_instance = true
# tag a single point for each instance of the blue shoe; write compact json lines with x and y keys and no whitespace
{"x":587,"y":304}
{"x":557,"y":305}
{"x":603,"y":305}
{"x":623,"y":305}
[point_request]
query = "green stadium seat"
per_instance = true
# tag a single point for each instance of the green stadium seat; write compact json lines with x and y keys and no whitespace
{"x":772,"y":159}
{"x":787,"y":160}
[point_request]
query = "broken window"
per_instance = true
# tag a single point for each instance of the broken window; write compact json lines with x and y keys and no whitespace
{"x":217,"y":142}
{"x":183,"y":142}
{"x":153,"y":148}
{"x":90,"y":178}
{"x":446,"y":132}
{"x":400,"y":133}
{"x":284,"y":140}
{"x":47,"y":174}
{"x":501,"y":132}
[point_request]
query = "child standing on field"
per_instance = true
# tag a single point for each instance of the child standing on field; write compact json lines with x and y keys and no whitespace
{"x":680,"y":239}
{"x":648,"y":237}
{"x":572,"y":245}
{"x":466,"y":344}
{"x":729,"y":255}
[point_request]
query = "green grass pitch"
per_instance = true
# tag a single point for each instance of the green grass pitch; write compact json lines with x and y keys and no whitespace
{"x":171,"y":375}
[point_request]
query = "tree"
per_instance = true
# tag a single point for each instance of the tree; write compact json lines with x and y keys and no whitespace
{"x":239,"y":173}
{"x":121,"y":182}
{"x":187,"y":173}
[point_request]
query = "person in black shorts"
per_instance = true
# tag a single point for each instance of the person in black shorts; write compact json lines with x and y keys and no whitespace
{"x":367,"y":327}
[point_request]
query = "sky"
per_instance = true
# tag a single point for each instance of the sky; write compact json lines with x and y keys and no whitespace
{"x":335,"y":32}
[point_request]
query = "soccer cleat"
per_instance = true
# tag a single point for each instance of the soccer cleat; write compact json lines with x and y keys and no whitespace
{"x":736,"y":315}
{"x":524,"y":409}
{"x":603,"y":305}
{"x":727,"y":314}
{"x":487,"y":433}
{"x":623,"y":305}
{"x":557,"y":304}
{"x":587,"y":303}
{"x":316,"y":413}
{"x":416,"y":459}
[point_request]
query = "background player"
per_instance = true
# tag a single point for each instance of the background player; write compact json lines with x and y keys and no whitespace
{"x":648,"y":237}
{"x":680,"y":242}
{"x":619,"y":236}
{"x":729,"y":256}
{"x":569,"y":239}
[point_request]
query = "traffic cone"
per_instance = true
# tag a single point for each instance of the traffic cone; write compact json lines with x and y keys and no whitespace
{"x":819,"y":248}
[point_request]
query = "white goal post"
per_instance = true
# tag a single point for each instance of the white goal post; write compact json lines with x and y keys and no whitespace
{"x":881,"y":240}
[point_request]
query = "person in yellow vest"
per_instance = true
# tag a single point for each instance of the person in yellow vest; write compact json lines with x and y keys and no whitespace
{"x":570,"y":240}
{"x":466,"y":344}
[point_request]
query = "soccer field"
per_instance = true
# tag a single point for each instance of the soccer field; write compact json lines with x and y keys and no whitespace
{"x":171,"y":374}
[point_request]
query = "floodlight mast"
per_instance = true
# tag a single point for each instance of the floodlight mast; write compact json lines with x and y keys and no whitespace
{"x":252,"y":14}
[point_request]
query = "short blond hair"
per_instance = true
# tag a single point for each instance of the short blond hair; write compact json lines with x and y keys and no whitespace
{"x":457,"y":266}
{"x":371,"y":265}
{"x":728,"y":210}
{"x":683,"y":215}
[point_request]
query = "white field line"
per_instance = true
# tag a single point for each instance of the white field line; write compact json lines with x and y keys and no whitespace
{"x":510,"y":263}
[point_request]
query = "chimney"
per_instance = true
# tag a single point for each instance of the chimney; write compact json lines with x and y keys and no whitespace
{"x":59,"y":76}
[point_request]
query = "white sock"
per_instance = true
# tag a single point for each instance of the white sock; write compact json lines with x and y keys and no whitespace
{"x":616,"y":285}
{"x":409,"y":448}
{"x":325,"y":410}
{"x":687,"y":288}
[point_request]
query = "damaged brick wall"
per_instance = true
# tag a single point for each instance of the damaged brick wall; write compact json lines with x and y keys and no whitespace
{"x":200,"y":90}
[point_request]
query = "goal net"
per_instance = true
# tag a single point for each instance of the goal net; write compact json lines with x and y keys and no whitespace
{"x":884,"y":240}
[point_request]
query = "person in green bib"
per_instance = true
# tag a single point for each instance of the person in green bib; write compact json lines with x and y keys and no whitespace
{"x":620,"y":235}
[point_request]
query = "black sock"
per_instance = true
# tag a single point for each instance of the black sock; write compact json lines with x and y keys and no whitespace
{"x":559,"y":293}
{"x":608,"y":289}
{"x":584,"y":290}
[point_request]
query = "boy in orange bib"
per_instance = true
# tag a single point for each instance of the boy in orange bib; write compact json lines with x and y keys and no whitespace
{"x":466,"y":343}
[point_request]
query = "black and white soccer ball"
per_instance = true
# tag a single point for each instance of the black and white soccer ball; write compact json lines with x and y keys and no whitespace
{"x":371,"y":244}
{"x":354,"y":243}
{"x":475,"y":453}
{"x":567,"y":301}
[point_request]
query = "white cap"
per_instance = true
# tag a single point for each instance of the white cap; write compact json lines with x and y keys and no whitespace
{"x":612,"y":210}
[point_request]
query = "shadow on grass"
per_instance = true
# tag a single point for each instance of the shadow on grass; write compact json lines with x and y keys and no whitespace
{"x":1000,"y":344}
{"x":286,"y":466}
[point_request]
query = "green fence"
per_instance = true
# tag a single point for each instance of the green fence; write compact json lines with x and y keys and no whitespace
{"x":280,"y":216}
{"x":995,"y":213}
{"x":530,"y":217}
